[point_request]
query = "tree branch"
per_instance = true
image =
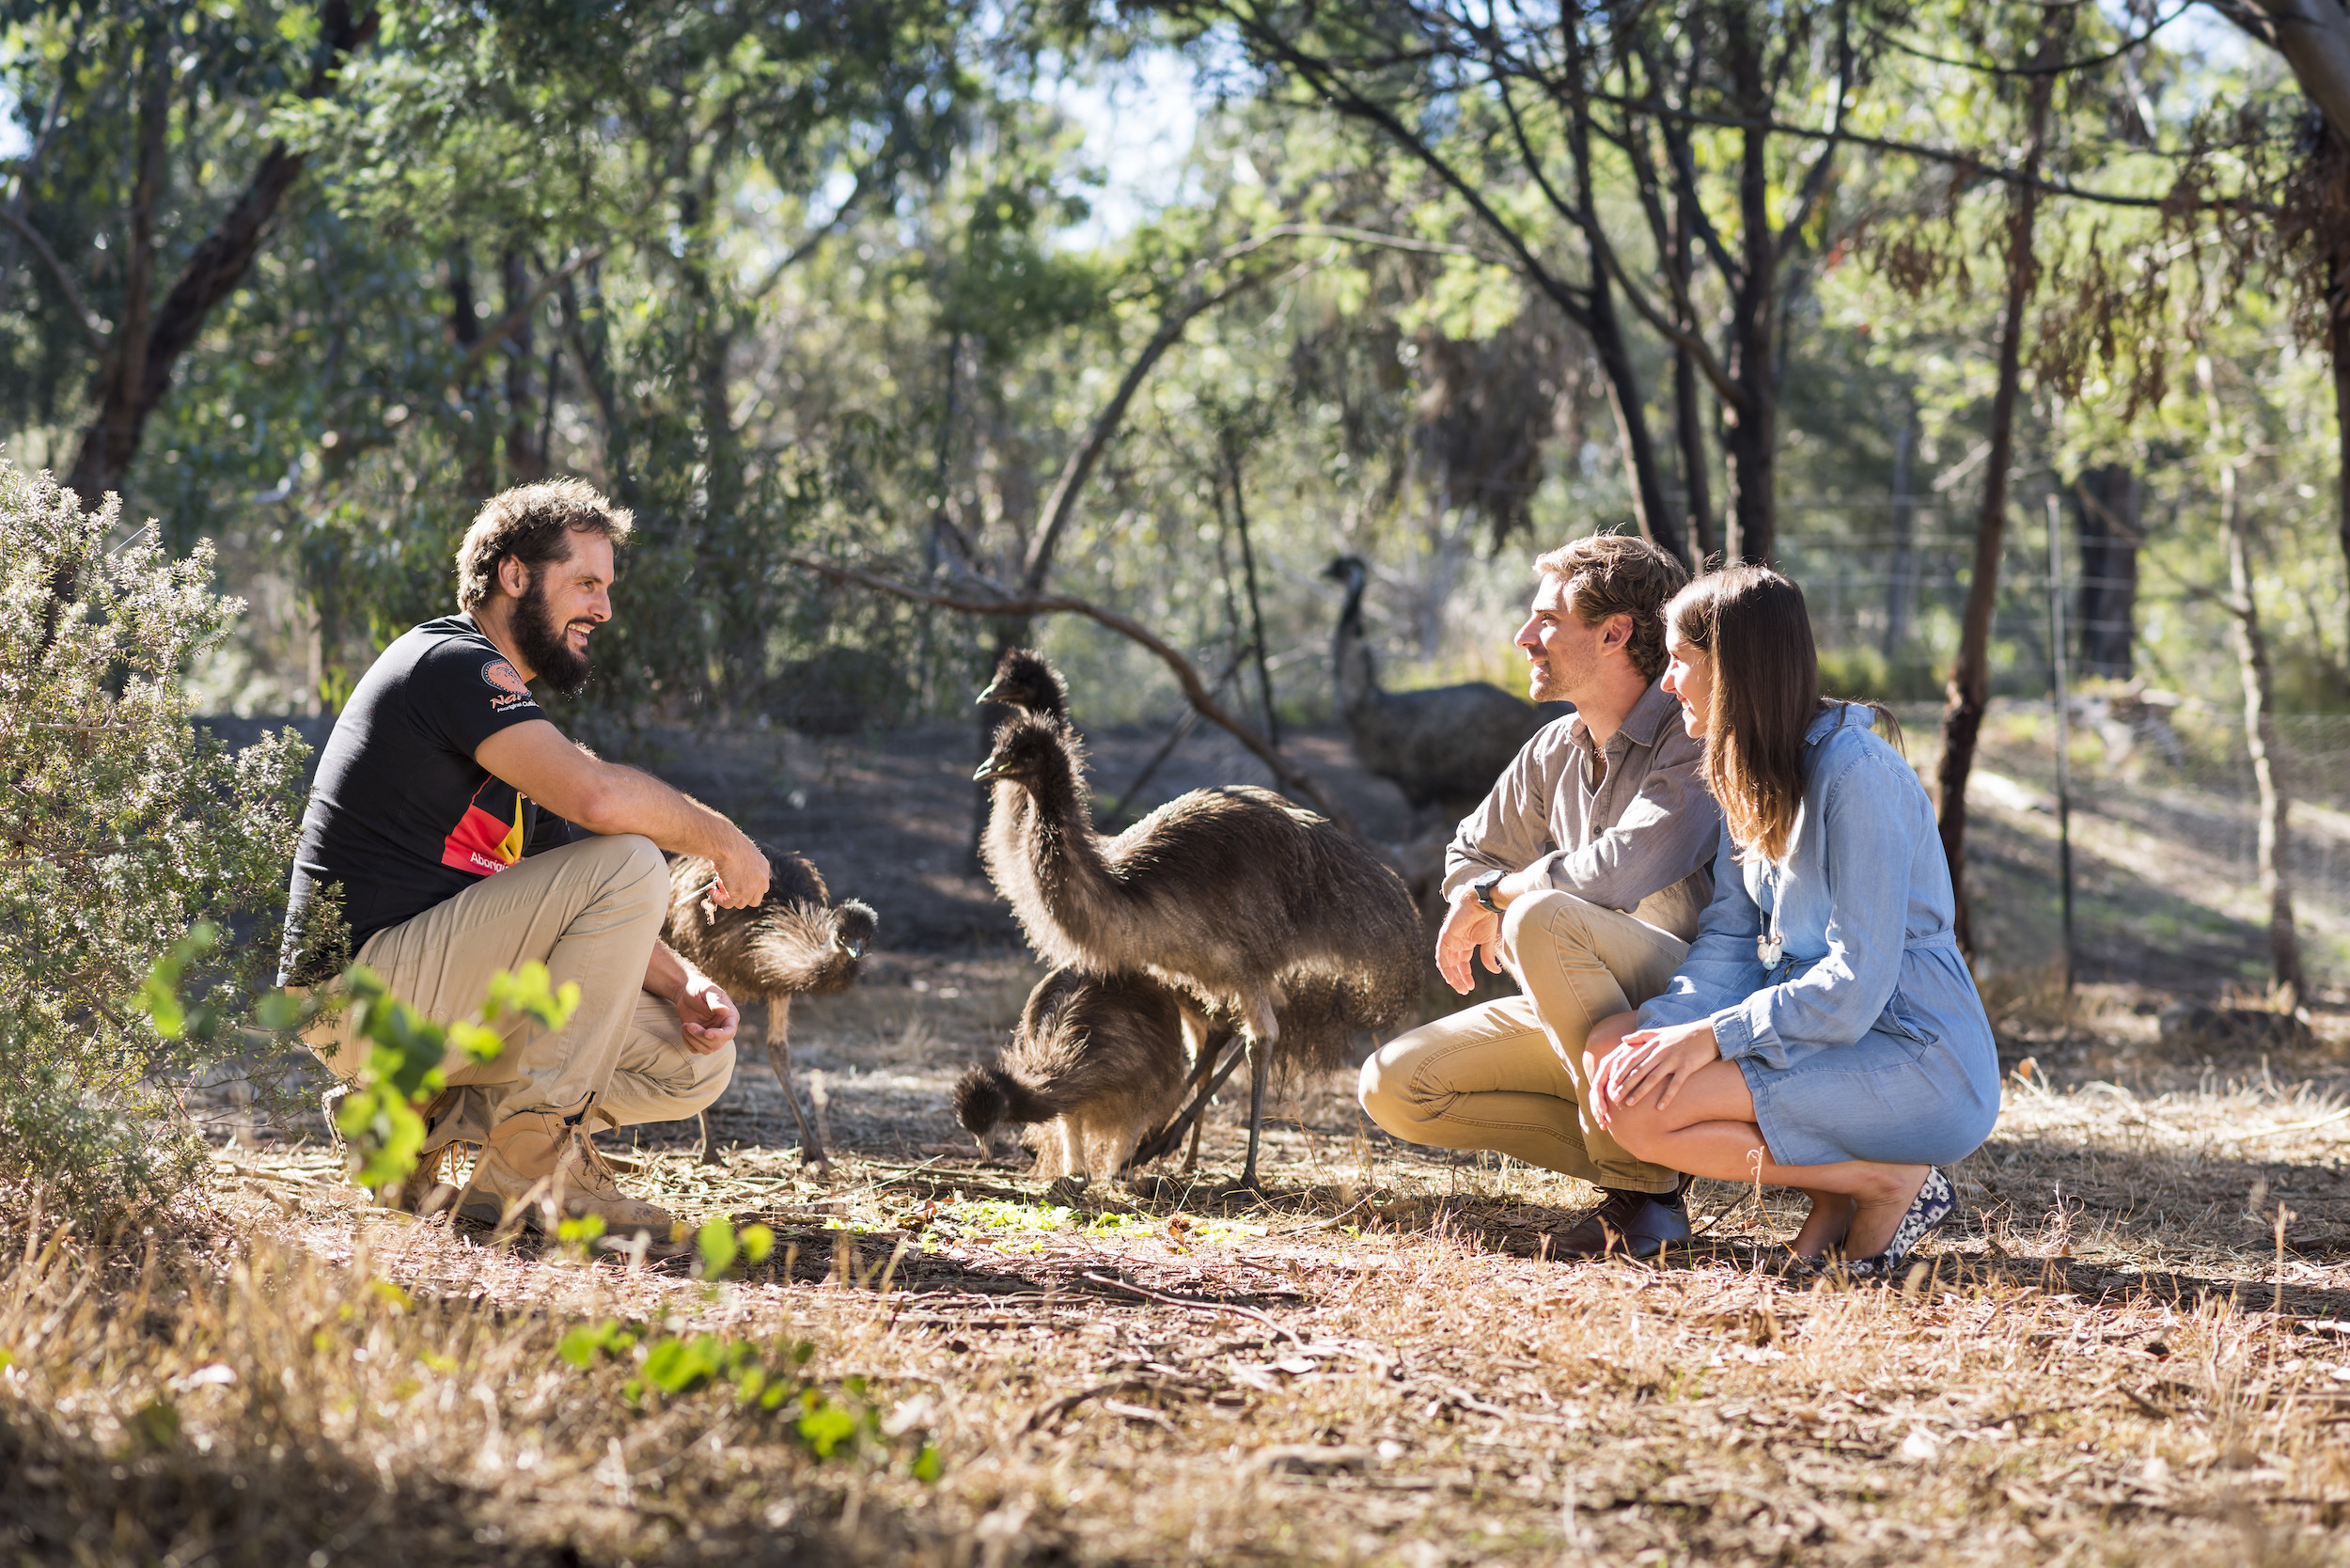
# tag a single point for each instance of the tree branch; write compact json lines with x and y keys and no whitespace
{"x":1195,"y":689}
{"x":58,"y":274}
{"x":1352,"y":102}
{"x":2313,"y":36}
{"x":517,"y":318}
{"x":2020,"y":179}
{"x":1596,"y":234}
{"x":1190,"y":303}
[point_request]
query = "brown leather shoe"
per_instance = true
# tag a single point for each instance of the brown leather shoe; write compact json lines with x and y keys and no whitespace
{"x":539,"y":1169}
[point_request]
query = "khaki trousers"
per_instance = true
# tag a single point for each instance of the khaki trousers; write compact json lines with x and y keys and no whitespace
{"x":590,"y":912}
{"x":1509,"y":1075}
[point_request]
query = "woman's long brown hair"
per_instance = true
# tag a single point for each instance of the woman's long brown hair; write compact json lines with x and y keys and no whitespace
{"x":1752,"y":624}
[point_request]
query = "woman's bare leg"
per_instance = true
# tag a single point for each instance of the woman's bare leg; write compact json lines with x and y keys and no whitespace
{"x":1709,"y":1129}
{"x":1825,"y":1227}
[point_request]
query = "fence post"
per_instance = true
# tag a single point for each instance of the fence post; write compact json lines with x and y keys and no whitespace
{"x":2063,"y":730}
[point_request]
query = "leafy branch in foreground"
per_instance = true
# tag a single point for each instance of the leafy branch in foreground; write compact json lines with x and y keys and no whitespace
{"x":408,"y":1055}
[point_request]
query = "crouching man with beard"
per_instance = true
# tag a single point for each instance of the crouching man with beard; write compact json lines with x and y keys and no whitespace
{"x":461,"y":834}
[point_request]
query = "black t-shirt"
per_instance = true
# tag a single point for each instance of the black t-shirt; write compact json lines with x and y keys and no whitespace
{"x":401,"y":817}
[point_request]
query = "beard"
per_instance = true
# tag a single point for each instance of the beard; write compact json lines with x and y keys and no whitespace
{"x":539,"y":641}
{"x":1558,"y":682}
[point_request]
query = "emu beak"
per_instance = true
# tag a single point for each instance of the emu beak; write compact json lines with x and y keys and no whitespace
{"x":987,"y":695}
{"x":854,"y":949}
{"x":987,"y":770}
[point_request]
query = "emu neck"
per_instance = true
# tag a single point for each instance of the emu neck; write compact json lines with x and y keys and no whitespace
{"x":1048,"y":859}
{"x":1349,"y":655}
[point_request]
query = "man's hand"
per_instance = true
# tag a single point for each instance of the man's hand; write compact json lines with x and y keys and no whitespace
{"x":743,"y":876}
{"x":705,"y":1014}
{"x":1660,"y":1060}
{"x":1467,"y":926}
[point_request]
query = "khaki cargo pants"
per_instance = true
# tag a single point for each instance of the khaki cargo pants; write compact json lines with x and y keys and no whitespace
{"x":1509,"y":1075}
{"x":590,"y":912}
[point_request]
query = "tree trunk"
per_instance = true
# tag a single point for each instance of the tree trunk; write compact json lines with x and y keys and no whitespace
{"x":1970,"y":690}
{"x":1902,"y":524}
{"x":2259,"y":739}
{"x":2337,"y":349}
{"x":2108,"y":501}
{"x":1750,"y":440}
{"x":1689,"y":422}
{"x":137,"y":369}
{"x":478,"y":469}
{"x":526,"y":463}
{"x":113,"y":435}
{"x":1256,"y":606}
{"x":1650,"y":512}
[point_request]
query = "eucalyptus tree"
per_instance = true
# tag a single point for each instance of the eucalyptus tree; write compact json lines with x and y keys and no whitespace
{"x":1673,"y":166}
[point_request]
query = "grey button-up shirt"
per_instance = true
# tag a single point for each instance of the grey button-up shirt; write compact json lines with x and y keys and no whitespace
{"x":1641,"y":841}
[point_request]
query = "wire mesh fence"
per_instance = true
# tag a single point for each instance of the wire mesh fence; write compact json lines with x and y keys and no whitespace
{"x":2161,"y":778}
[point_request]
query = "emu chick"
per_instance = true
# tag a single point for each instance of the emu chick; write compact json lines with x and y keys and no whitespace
{"x":1098,"y":1062}
{"x":793,"y":942}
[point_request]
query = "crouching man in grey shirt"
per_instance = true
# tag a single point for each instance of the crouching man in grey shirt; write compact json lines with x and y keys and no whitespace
{"x":1585,"y":872}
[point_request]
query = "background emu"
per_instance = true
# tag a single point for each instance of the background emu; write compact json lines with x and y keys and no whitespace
{"x":1442,"y":745}
{"x":1104,"y":1059}
{"x":794,"y":942}
{"x":1025,"y":683}
{"x":1232,"y":894}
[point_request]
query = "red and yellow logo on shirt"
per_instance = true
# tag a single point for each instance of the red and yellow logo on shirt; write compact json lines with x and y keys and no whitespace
{"x":482,"y":844}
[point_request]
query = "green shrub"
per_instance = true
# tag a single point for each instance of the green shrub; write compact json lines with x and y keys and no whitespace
{"x":121,"y":828}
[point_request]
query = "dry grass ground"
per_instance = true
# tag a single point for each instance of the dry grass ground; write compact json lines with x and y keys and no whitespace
{"x":2113,"y":1355}
{"x":2107,"y":1358}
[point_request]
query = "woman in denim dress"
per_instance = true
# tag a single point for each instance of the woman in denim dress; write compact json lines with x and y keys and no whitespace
{"x":1823,"y":1032}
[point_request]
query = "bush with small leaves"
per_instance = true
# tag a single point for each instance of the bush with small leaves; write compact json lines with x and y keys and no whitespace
{"x":120,"y":828}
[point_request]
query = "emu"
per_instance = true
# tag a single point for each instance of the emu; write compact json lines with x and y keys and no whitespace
{"x":793,"y":942}
{"x":1102,"y":1059}
{"x":1232,"y":894}
{"x":1442,"y":746}
{"x":1025,"y":683}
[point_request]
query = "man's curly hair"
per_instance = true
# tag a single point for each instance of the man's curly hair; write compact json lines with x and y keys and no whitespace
{"x":1620,"y":575}
{"x":533,"y":524}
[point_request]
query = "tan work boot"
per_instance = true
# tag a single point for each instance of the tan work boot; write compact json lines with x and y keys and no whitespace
{"x":539,"y":1164}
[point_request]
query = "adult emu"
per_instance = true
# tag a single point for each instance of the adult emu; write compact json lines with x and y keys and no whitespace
{"x":1442,"y":746}
{"x":1025,"y":683}
{"x":1103,"y":1059}
{"x":1231,"y":894}
{"x":794,"y":942}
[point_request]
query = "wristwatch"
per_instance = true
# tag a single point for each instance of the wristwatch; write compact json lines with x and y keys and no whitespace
{"x":1483,"y":887}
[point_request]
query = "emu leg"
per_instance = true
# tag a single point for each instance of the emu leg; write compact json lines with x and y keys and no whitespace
{"x":1163,"y":1142}
{"x":710,"y":1145}
{"x":779,"y":1058}
{"x":1262,"y":1033}
{"x":1260,"y":1070}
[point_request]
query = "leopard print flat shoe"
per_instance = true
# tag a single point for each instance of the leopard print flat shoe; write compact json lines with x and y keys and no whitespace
{"x":1930,"y":1208}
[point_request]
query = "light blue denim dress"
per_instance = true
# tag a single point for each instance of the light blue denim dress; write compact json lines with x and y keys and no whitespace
{"x":1866,"y":1040}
